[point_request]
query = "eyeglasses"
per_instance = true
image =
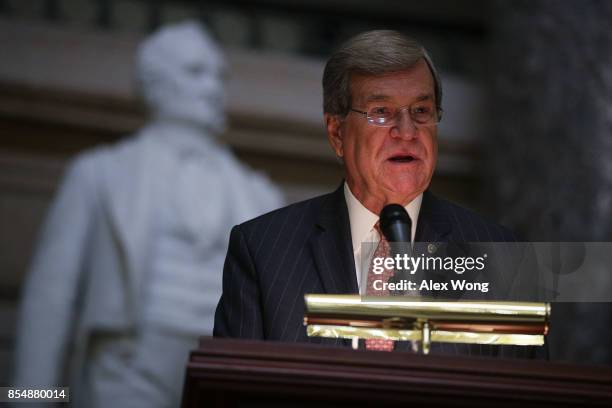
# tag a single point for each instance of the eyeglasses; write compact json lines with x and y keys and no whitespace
{"x":385,"y":116}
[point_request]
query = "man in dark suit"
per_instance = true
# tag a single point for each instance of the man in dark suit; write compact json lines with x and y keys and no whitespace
{"x":382,"y":103}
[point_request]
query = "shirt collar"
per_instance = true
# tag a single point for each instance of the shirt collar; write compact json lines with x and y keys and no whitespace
{"x":363,"y":220}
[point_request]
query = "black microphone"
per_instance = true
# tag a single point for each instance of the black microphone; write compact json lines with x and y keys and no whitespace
{"x":396,"y":226}
{"x":395,"y":223}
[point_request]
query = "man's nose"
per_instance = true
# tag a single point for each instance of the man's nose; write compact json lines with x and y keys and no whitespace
{"x":404,"y":126}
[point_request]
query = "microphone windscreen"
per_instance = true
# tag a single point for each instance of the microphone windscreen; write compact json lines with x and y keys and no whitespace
{"x":395,"y":223}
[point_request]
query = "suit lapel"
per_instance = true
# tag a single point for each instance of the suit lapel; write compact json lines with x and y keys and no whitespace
{"x":435,"y":227}
{"x":332,"y":247}
{"x":434,"y":224}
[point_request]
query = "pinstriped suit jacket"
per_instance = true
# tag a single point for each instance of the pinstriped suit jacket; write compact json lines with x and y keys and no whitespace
{"x":275,"y":259}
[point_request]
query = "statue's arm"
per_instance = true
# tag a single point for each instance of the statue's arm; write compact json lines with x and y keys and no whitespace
{"x":47,"y":310}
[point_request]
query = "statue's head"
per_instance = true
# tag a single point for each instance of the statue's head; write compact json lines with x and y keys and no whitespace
{"x":179,"y":70}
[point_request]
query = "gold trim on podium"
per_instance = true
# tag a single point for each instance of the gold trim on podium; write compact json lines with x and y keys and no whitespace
{"x":426,"y":321}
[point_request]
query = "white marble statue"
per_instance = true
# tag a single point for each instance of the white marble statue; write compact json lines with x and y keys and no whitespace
{"x":127,"y":272}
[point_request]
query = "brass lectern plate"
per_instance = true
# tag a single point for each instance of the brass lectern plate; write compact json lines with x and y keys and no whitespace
{"x":391,"y":306}
{"x":426,"y":321}
{"x":346,"y":332}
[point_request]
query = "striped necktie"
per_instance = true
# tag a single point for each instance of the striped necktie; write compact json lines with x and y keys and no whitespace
{"x":382,"y":251}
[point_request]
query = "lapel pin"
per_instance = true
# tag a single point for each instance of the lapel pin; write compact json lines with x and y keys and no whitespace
{"x":431,"y":248}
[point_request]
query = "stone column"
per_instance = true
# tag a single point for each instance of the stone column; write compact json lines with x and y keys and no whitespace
{"x":548,"y":164}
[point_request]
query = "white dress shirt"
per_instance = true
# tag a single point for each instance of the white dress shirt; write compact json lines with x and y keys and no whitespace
{"x":362,"y":223}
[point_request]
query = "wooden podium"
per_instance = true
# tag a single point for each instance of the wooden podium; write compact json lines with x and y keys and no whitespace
{"x":240,"y":373}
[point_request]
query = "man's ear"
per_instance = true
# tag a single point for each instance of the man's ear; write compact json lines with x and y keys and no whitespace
{"x":335,"y":133}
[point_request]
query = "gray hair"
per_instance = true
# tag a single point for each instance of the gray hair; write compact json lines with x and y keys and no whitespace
{"x":375,"y":52}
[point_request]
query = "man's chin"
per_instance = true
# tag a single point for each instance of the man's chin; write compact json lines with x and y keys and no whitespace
{"x":403,"y":195}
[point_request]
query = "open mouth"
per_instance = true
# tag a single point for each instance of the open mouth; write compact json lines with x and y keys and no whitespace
{"x":402,"y":159}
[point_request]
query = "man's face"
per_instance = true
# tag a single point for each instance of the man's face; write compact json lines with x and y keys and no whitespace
{"x":393,"y":164}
